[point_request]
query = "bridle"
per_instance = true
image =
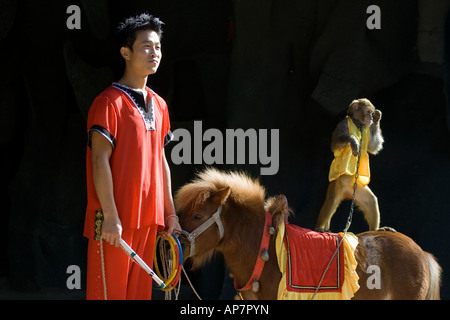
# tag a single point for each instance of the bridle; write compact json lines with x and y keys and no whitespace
{"x":263,"y":255}
{"x":215,"y":218}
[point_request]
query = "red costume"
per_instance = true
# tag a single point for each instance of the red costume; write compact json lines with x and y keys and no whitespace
{"x":138,"y":131}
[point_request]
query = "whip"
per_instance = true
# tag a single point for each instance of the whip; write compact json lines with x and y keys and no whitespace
{"x":128,"y":250}
{"x":133,"y":255}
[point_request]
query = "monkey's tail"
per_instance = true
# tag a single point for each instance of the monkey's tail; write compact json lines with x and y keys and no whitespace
{"x":435,"y":273}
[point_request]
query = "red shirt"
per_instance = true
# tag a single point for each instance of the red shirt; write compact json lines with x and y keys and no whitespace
{"x":137,"y":132}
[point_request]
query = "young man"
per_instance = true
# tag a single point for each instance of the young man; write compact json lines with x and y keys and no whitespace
{"x":128,"y":177}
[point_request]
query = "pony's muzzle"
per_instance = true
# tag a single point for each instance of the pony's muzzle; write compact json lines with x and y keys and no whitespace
{"x":187,"y":238}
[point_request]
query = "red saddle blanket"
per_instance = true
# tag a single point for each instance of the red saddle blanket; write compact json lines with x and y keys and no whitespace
{"x":309,"y":253}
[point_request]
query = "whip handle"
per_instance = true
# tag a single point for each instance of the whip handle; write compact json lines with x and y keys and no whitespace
{"x":141,"y":263}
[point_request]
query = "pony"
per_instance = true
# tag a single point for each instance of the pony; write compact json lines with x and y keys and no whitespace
{"x":227,"y":211}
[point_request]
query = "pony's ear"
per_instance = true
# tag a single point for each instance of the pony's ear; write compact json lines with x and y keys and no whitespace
{"x":221,"y":195}
{"x":278,"y":205}
{"x":280,"y":210}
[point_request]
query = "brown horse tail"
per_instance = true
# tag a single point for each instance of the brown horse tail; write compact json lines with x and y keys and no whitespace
{"x":435,"y":272}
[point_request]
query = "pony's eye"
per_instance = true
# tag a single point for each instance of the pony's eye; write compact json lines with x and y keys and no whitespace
{"x":198,"y":216}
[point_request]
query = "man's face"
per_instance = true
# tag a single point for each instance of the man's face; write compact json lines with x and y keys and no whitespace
{"x":146,"y":55}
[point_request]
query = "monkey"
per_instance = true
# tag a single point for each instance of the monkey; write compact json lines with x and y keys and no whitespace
{"x":355,"y":136}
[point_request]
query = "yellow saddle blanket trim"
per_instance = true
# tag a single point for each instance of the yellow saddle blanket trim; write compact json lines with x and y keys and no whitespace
{"x":349,"y":286}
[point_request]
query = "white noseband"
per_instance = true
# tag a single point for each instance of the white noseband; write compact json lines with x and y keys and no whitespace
{"x":215,"y":218}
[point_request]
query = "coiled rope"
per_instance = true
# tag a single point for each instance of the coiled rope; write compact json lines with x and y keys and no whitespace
{"x":171,"y":261}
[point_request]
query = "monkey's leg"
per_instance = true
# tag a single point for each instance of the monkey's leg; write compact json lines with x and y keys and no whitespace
{"x":368,"y":203}
{"x":332,"y":200}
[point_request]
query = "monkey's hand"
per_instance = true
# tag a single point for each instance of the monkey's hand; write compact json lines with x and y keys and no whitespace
{"x":376,"y":116}
{"x":354,"y":144}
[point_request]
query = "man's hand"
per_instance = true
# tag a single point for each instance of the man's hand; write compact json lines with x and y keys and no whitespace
{"x":172,"y":224}
{"x":112,"y":229}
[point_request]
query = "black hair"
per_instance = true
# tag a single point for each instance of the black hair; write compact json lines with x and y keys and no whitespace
{"x":126,"y":30}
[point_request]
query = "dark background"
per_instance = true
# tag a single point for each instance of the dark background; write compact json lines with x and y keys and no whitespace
{"x":270,"y":64}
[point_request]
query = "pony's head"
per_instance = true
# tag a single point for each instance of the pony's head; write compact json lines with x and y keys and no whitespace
{"x":227,"y":197}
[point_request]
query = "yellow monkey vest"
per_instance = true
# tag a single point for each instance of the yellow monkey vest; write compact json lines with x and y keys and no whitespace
{"x":345,"y":162}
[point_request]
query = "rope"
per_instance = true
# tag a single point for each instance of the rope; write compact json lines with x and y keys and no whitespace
{"x":167,"y":264}
{"x":190,"y":283}
{"x":98,"y":236}
{"x":349,"y":219}
{"x":103,"y":270}
{"x":171,"y":259}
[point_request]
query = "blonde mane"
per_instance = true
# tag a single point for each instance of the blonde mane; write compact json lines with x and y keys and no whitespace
{"x":245,"y":191}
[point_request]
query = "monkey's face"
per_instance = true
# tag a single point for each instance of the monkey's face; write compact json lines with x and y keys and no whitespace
{"x":364,"y":112}
{"x":367,"y":115}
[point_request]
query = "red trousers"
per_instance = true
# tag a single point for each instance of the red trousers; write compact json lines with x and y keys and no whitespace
{"x":125,"y":280}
